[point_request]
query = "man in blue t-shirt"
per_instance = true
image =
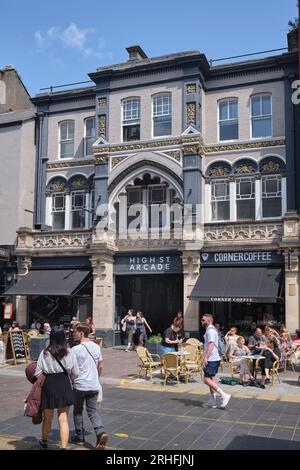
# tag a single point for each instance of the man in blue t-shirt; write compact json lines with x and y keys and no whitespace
{"x":212,"y":362}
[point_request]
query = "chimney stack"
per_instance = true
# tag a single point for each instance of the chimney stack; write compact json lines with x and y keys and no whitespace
{"x":136,"y":53}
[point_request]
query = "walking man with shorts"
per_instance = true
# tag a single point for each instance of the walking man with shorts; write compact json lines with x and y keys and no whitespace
{"x":212,"y":362}
{"x":86,"y":386}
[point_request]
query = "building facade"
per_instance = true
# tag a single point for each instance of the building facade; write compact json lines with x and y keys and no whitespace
{"x":17,"y":161}
{"x":215,"y":143}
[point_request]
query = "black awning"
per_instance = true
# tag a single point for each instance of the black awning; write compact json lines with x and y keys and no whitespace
{"x":237,"y":284}
{"x":50,"y":282}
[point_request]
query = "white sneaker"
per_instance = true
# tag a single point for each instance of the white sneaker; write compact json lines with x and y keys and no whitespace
{"x":225,"y":400}
{"x":212,"y":402}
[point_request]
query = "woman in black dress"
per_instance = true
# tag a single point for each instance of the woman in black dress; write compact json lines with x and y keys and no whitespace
{"x":59,"y":364}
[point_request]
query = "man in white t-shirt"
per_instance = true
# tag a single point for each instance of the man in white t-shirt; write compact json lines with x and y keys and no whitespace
{"x":86,"y":386}
{"x":212,"y":362}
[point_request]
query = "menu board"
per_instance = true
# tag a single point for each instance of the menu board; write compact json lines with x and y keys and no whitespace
{"x":18,"y":347}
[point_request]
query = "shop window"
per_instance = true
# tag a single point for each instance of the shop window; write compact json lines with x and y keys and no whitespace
{"x":261,"y":116}
{"x":162,"y":115}
{"x":134,"y":198}
{"x":66,"y":139}
{"x":271,"y":196}
{"x":78,"y":209}
{"x":245,"y":198}
{"x":220,"y":199}
{"x":58,"y":211}
{"x":228,"y":119}
{"x":156,"y":197}
{"x":89,"y":136}
{"x":131,"y":119}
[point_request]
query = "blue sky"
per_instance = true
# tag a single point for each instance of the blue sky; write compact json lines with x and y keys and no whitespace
{"x":58,"y":42}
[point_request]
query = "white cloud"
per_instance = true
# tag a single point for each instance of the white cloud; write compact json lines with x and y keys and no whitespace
{"x":86,"y":41}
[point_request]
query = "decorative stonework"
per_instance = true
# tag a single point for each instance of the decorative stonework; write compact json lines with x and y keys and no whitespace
{"x":102,"y":124}
{"x":191,"y":150}
{"x":61,"y":240}
{"x":175,"y":154}
{"x":79,"y":183}
{"x":102,"y":102}
{"x":219,"y":171}
{"x":244,"y":169}
{"x":147,"y":243}
{"x":63,"y":164}
{"x":101,"y":158}
{"x":116,"y":160}
{"x":186,"y":139}
{"x":242,"y":233}
{"x":249,"y":145}
{"x":191,"y":88}
{"x":57,"y":185}
{"x":270,"y":167}
{"x":191,"y":113}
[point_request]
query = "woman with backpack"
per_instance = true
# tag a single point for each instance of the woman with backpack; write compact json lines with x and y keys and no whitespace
{"x":58,"y":363}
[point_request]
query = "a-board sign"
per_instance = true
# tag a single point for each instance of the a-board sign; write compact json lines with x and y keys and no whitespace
{"x":17,"y":341}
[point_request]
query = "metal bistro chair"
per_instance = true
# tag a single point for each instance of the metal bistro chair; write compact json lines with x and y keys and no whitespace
{"x":171,"y":366}
{"x":147,"y":361}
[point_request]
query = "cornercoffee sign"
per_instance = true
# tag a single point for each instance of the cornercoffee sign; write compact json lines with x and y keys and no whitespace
{"x":242,"y":257}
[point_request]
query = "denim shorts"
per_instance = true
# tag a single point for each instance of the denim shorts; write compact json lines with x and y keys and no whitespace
{"x":211,"y":368}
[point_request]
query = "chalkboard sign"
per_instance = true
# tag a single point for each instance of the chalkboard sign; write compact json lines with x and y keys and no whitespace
{"x":18,"y":347}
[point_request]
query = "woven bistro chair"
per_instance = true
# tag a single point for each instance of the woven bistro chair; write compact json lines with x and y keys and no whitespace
{"x":192,"y":366}
{"x":273,"y":371}
{"x":171,"y":366}
{"x":148,"y":361}
{"x":194,"y":342}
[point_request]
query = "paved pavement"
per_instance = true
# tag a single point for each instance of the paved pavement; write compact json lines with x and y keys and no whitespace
{"x":139,"y":414}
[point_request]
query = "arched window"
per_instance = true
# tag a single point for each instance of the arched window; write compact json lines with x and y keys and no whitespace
{"x":220,"y":203}
{"x":162,"y":115}
{"x":66,"y":139}
{"x":58,"y":211}
{"x":271,"y":169}
{"x":261,"y":115}
{"x":228,"y":119}
{"x":131,"y":119}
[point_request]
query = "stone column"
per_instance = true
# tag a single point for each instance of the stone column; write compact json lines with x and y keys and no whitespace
{"x":232,"y":198}
{"x":258,"y":198}
{"x":290,"y":243}
{"x":103,"y":296}
{"x":191,"y":266}
{"x":21,"y":300}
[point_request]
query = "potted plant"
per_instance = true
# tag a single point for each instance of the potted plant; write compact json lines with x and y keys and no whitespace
{"x":153,"y":344}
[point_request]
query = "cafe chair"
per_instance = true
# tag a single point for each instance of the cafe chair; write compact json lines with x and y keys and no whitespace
{"x":170,"y":363}
{"x":194,"y":342}
{"x":273,"y":372}
{"x":148,"y":361}
{"x":190,"y":367}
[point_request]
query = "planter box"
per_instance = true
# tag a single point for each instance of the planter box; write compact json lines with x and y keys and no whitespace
{"x":153,"y":348}
{"x":36,"y":346}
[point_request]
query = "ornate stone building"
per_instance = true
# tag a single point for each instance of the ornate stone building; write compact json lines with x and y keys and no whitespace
{"x":171,"y":130}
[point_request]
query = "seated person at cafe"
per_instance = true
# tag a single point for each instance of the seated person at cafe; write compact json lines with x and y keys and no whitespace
{"x":270,"y":353}
{"x":170,"y":341}
{"x":254,"y":344}
{"x":237,"y":356}
{"x":15,"y":326}
{"x":231,"y":338}
{"x":36,"y":324}
{"x":270,"y":334}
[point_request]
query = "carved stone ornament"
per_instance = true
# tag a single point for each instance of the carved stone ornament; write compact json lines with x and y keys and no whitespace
{"x":191,"y":113}
{"x":270,"y":167}
{"x":191,"y":150}
{"x":57,"y":185}
{"x":101,"y":158}
{"x":191,"y":88}
{"x":242,"y":233}
{"x":102,"y":102}
{"x":219,"y":171}
{"x":116,"y":160}
{"x":175,"y":154}
{"x":244,"y":169}
{"x":250,"y":145}
{"x":70,"y":164}
{"x":102,"y":124}
{"x":79,"y":183}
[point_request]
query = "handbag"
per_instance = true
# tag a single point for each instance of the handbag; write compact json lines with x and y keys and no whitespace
{"x":100,"y":392}
{"x":124,"y":327}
